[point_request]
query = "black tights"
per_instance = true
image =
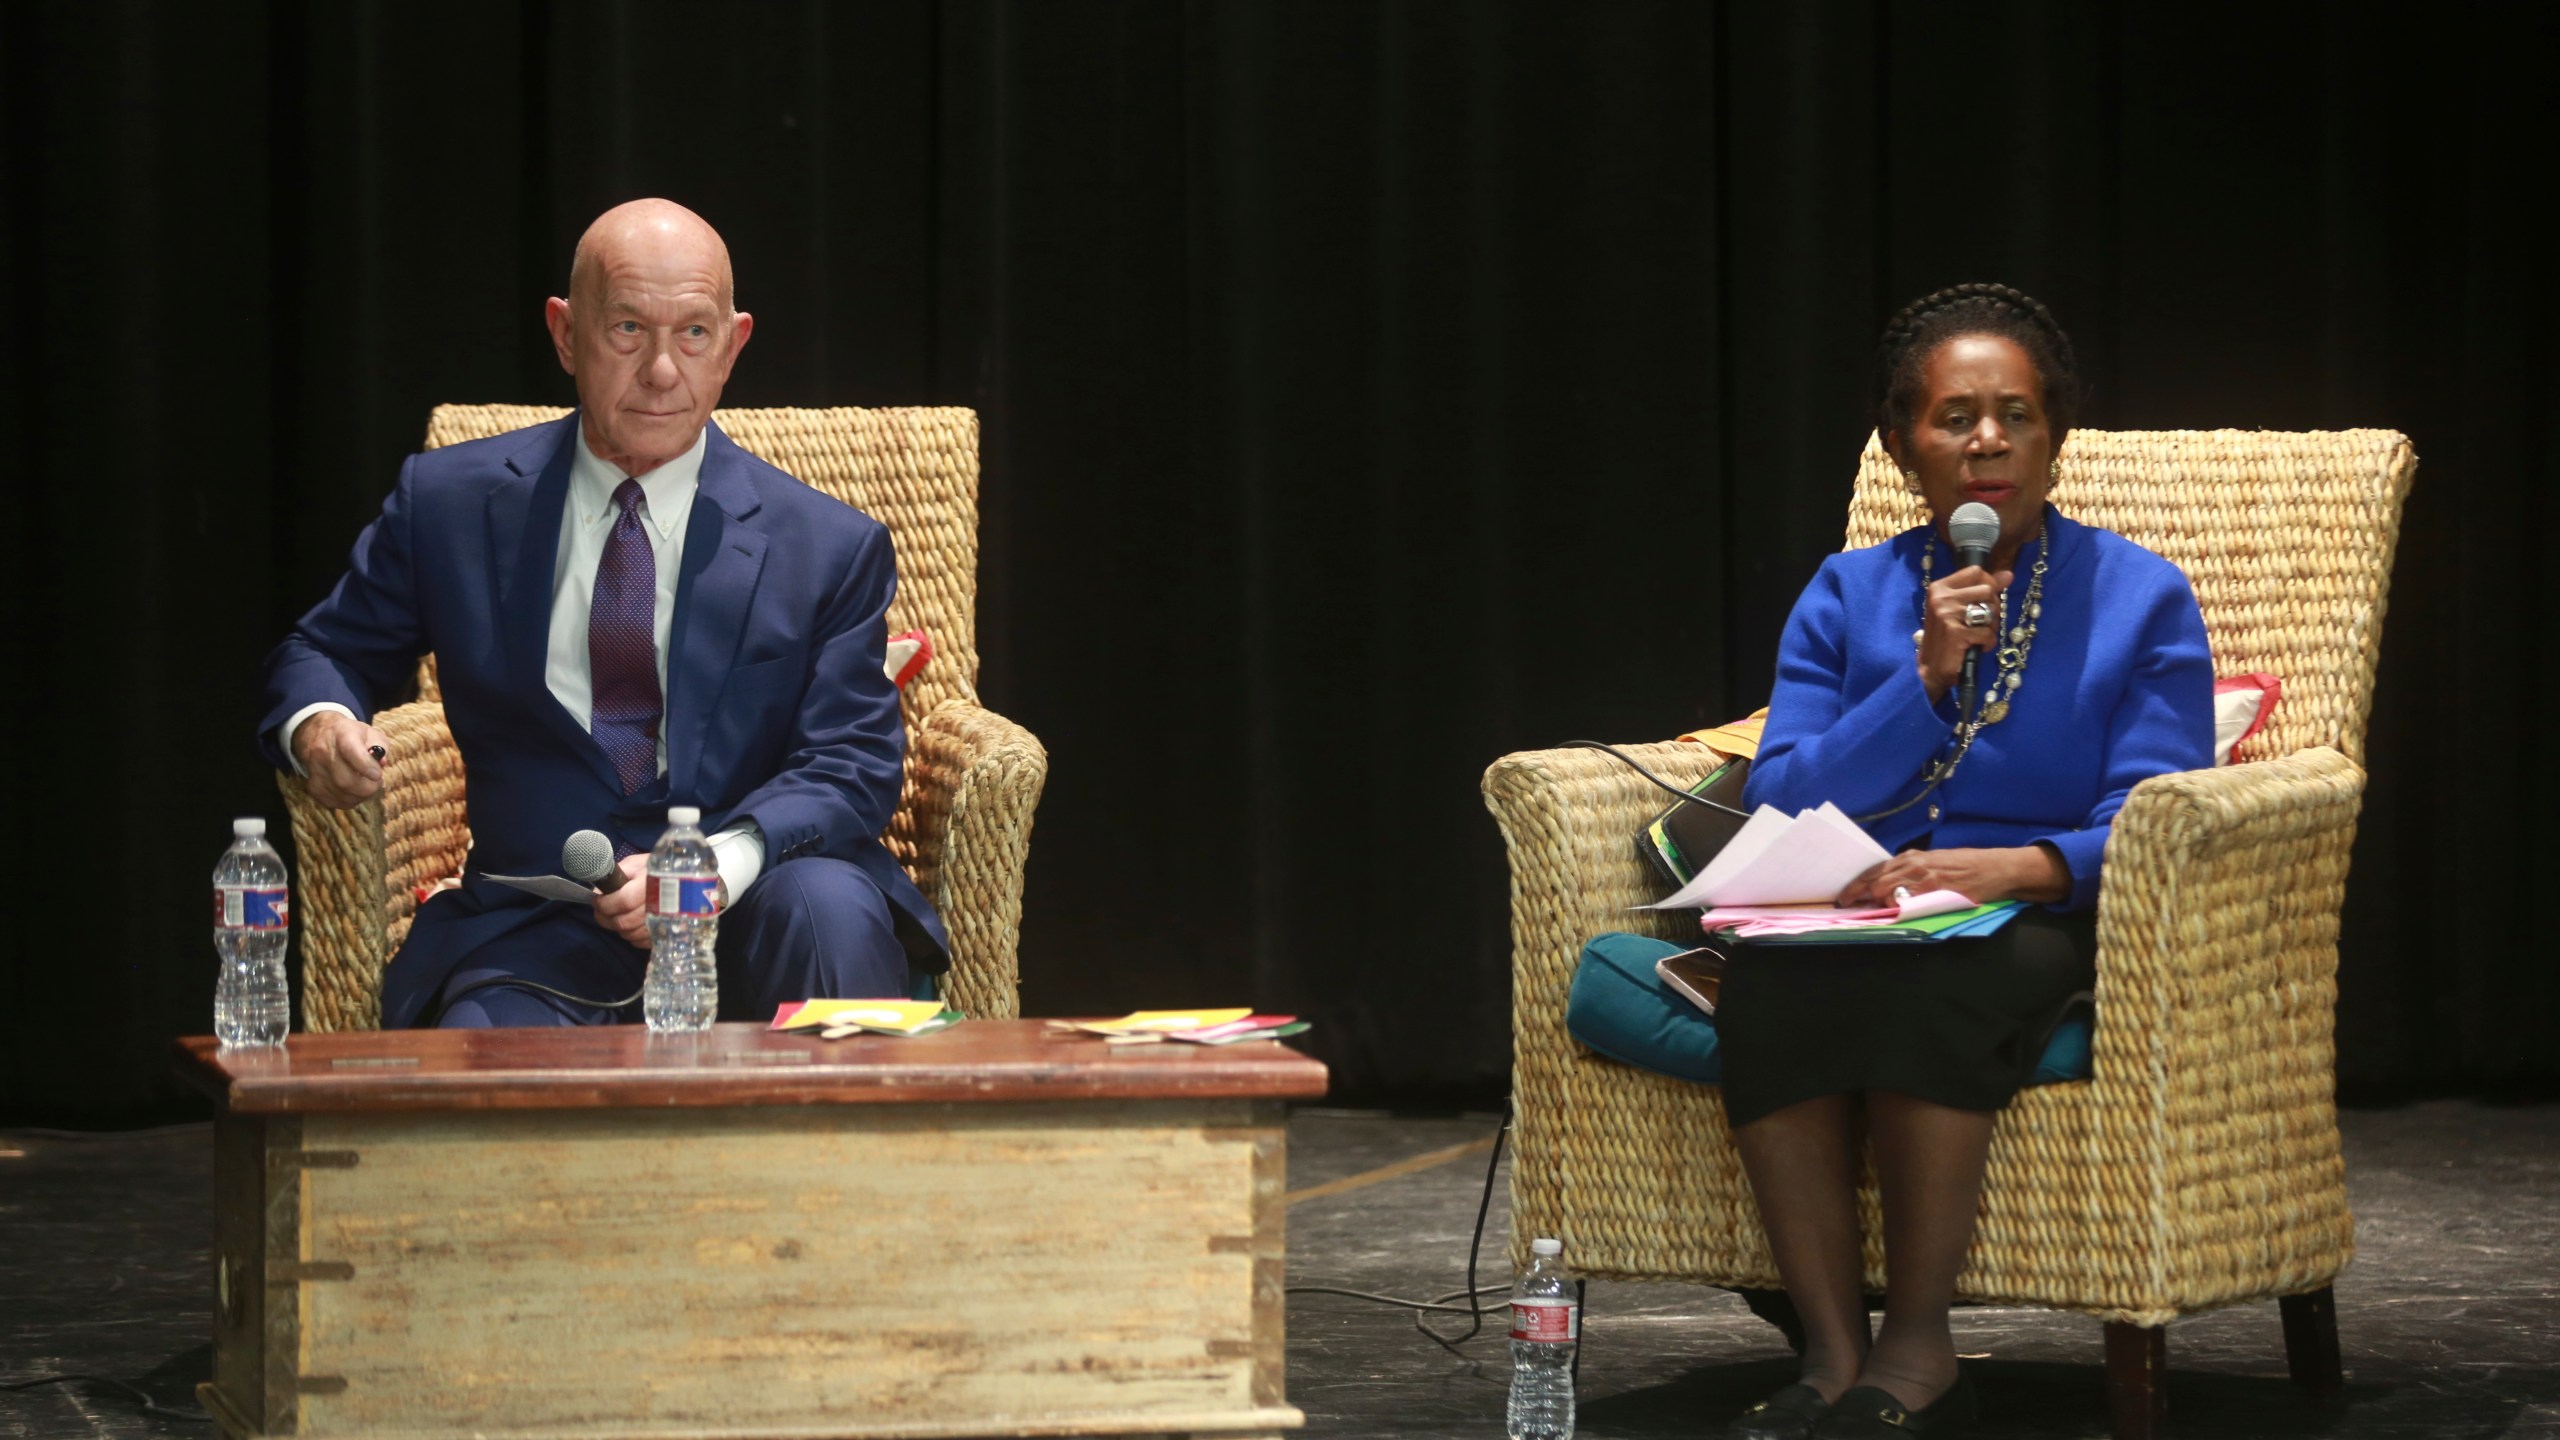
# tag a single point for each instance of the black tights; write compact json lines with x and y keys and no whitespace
{"x":1803,"y":1164}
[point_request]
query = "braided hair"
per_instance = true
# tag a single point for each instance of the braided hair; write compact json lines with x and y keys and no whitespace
{"x":1916,"y":332}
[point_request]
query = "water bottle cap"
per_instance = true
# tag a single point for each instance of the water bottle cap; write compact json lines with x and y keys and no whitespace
{"x":249,"y":825}
{"x":1546,"y":1247}
{"x":684,"y":815}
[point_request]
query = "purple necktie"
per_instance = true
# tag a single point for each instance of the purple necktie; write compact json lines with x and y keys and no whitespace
{"x":622,"y":648}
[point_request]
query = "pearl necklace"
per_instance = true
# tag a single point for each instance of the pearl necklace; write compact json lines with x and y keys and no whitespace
{"x":2012,"y":656}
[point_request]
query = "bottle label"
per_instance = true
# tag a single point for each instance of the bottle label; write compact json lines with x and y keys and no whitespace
{"x":1546,"y":1320}
{"x":252,"y":907}
{"x":675,"y":895}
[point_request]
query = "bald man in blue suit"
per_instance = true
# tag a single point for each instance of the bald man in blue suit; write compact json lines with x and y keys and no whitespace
{"x":628,"y":612}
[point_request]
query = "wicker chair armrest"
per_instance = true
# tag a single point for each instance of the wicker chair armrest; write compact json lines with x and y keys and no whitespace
{"x":973,"y":780}
{"x":1569,"y":818}
{"x":1629,"y":1168}
{"x":2208,"y":1138}
{"x":338,"y":906}
{"x":359,"y":867}
{"x":2218,"y":931}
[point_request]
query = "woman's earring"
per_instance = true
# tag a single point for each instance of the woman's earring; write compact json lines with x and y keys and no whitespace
{"x":1911,"y":481}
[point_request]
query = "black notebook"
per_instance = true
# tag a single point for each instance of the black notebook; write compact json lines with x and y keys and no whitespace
{"x":1680,"y":841}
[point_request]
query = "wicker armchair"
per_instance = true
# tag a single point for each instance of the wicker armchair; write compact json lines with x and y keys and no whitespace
{"x":963,"y":826}
{"x":2200,"y":1166}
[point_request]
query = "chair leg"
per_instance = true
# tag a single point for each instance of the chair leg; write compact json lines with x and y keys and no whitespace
{"x":2311,"y":1341}
{"x":2137,"y":1376}
{"x":1774,"y":1307}
{"x":1582,"y":1324}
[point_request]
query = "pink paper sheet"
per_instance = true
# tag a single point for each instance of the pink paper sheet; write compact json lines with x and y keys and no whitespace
{"x":1748,"y":921}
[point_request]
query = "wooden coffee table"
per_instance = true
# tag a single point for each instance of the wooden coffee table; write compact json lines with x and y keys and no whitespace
{"x":590,"y":1232}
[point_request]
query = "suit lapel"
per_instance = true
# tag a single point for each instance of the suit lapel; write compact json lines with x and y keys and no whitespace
{"x":525,"y":512}
{"x":715,"y":588}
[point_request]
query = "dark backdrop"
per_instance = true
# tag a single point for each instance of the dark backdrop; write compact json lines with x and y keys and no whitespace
{"x":1368,"y":390}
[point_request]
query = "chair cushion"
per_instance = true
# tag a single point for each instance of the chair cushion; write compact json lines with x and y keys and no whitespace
{"x":906,"y":655}
{"x":2241,"y":705}
{"x":1622,"y":1009}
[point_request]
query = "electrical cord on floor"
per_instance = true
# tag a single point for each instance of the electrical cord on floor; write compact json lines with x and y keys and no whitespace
{"x":1474,"y":1294}
{"x":128,"y":1389}
{"x":1475,"y":1247}
{"x":1402,"y":1302}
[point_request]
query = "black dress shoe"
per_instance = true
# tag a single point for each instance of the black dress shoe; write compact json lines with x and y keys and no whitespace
{"x":1867,"y":1413}
{"x":1788,"y":1415}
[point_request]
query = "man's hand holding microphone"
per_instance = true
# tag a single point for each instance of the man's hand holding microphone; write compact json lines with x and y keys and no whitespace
{"x":622,"y":889}
{"x":622,"y":900}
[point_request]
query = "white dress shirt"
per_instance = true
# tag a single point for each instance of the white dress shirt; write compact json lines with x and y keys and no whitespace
{"x":666,"y":509}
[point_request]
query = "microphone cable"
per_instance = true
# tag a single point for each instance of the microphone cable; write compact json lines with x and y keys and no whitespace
{"x":1475,"y":1246}
{"x":1623,"y":758}
{"x":1937,"y":774}
{"x":494,"y":982}
{"x":1475,"y":1309}
{"x":588,"y":855}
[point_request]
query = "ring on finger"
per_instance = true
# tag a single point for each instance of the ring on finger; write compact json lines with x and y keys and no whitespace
{"x":1976,"y":615}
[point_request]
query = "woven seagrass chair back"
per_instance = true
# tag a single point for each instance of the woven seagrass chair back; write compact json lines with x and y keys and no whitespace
{"x":912,"y":468}
{"x":2287,"y":537}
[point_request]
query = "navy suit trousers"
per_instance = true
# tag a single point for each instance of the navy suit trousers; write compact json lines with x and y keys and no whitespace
{"x":810,"y":928}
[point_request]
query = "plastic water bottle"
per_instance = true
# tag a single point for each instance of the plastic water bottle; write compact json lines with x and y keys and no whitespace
{"x":683,"y":989}
{"x":1546,"y":1324}
{"x":252,"y":905}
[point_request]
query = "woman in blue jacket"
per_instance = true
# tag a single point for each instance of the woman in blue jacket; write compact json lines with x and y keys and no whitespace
{"x":2093,"y":675}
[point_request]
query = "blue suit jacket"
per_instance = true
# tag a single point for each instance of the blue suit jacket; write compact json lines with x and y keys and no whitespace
{"x":776,"y":709}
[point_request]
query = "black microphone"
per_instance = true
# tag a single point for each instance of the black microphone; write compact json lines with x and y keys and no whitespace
{"x":1973,"y":529}
{"x":587,"y":857}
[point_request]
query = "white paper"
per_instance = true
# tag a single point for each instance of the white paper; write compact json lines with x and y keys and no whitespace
{"x":1935,"y":902}
{"x":549,"y":887}
{"x":1804,"y":861}
{"x":1751,"y":842}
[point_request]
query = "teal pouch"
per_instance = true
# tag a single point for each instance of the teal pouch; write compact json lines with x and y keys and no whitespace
{"x":1620,"y":1008}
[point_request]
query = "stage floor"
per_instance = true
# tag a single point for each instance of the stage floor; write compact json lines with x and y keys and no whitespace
{"x":2447,"y":1318}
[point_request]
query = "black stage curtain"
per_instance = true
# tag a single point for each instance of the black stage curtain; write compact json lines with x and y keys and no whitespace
{"x":1369,"y":390}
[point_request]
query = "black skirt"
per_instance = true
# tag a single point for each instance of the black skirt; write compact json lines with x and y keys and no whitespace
{"x":1961,"y":1023}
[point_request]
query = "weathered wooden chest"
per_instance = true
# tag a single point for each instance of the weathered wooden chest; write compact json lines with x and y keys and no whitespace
{"x":587,"y":1233}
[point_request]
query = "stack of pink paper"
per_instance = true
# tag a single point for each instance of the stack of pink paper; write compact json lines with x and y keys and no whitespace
{"x":1751,"y":922}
